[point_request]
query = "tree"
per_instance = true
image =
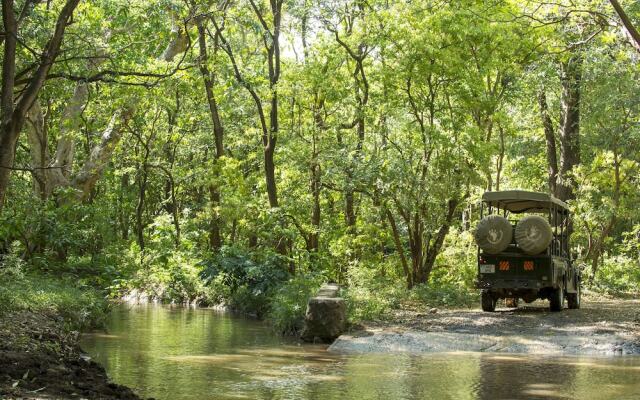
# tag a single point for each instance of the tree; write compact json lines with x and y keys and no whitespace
{"x":14,"y":116}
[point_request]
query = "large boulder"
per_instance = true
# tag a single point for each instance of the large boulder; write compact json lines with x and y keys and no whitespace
{"x":326,"y":316}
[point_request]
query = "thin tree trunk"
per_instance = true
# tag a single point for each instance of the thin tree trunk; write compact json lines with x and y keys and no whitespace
{"x":500,"y":160}
{"x":142,"y":194}
{"x":400,"y":249}
{"x":122,"y":216}
{"x":215,"y":238}
{"x":550,"y":138}
{"x":633,"y":32}
{"x":570,"y":128}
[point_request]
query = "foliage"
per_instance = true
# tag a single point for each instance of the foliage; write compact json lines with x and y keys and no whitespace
{"x":80,"y":307}
{"x":382,"y":123}
{"x":619,"y":274}
{"x":371,"y":296}
{"x":445,"y":295}
{"x":289,"y":303}
{"x":251,"y":278}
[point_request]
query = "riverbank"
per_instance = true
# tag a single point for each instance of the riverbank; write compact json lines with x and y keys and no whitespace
{"x":40,"y":358}
{"x":600,"y":327}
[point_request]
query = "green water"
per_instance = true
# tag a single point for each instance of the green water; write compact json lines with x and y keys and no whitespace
{"x":178,"y":353}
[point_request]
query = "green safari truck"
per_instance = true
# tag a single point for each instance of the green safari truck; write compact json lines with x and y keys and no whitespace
{"x":523,"y":250}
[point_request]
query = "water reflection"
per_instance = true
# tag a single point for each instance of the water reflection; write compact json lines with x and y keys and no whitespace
{"x":174,"y":353}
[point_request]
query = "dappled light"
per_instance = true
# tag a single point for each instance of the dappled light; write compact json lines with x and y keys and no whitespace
{"x":319,"y":199}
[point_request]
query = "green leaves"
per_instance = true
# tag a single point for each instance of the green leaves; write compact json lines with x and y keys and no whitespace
{"x":415,"y":103}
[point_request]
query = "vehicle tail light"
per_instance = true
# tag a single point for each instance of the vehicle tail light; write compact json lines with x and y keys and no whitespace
{"x":504,"y":265}
{"x":528,"y":265}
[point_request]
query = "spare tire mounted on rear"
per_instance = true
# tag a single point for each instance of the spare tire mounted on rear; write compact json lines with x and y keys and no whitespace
{"x":533,"y":234}
{"x":493,"y":234}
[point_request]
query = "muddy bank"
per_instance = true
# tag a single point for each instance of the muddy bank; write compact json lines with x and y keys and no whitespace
{"x":600,"y":327}
{"x":40,"y":359}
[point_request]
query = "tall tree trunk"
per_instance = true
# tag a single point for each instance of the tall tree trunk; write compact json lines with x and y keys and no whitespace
{"x":270,"y":126}
{"x":86,"y":178}
{"x":215,"y":238}
{"x":550,"y":138}
{"x":400,"y":249}
{"x":13,"y":116}
{"x":500,"y":160}
{"x":315,"y":173}
{"x":38,"y":148}
{"x":270,"y":177}
{"x":570,"y":127}
{"x":436,"y":245}
{"x":142,"y":194}
{"x":314,"y":235}
{"x":123,"y":218}
{"x":315,"y":186}
{"x":626,"y":21}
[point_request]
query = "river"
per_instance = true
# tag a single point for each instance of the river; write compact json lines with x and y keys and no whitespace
{"x":182,"y":353}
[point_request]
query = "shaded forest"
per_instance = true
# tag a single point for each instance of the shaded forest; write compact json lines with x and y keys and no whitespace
{"x":243,"y":152}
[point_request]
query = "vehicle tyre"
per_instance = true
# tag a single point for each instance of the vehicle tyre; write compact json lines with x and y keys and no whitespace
{"x":556,"y":302}
{"x":493,"y":234}
{"x":573,"y":299}
{"x":488,"y":301}
{"x":511,"y":302}
{"x":533,"y":234}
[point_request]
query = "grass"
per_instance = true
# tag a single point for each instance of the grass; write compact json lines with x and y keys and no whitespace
{"x":79,"y":307}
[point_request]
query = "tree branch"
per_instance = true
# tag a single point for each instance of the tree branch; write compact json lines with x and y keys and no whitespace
{"x":627,"y":22}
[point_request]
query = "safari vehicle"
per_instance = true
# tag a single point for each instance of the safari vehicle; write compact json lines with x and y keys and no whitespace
{"x":523,"y":250}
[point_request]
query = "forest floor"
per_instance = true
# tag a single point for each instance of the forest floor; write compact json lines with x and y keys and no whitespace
{"x":603,"y":326}
{"x":41,"y":359}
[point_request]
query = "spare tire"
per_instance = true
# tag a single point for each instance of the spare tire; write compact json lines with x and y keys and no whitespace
{"x":493,"y":234}
{"x":533,"y":234}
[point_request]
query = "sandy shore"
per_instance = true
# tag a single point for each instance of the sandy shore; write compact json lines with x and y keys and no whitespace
{"x":600,"y":327}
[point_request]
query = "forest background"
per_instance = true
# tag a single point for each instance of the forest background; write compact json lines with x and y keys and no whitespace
{"x":243,"y":152}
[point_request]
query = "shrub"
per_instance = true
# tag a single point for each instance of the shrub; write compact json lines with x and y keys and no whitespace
{"x":445,"y":295}
{"x":80,"y":307}
{"x":288,"y":304}
{"x":617,"y":275}
{"x":370,"y":295}
{"x":251,"y":279}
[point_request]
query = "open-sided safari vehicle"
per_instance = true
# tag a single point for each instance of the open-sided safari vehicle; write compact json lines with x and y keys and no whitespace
{"x":523,"y":250}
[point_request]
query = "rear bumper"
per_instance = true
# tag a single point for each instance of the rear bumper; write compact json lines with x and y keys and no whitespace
{"x":512,"y":283}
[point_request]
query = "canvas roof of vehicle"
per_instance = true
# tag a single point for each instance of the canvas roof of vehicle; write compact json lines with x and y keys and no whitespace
{"x":518,"y":201}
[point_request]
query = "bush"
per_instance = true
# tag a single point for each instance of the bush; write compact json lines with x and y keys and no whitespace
{"x":456,"y":265}
{"x":617,"y":275}
{"x":370,"y":295}
{"x":251,"y":279}
{"x":80,"y":307}
{"x":164,"y":272}
{"x":289,"y":303}
{"x":445,"y":295}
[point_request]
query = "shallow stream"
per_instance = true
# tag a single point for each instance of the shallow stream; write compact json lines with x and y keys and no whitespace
{"x":181,"y":353}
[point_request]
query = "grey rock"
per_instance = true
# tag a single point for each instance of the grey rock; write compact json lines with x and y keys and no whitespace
{"x":326,"y":316}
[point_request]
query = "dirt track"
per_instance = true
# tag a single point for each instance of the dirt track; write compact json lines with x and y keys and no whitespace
{"x":600,"y":327}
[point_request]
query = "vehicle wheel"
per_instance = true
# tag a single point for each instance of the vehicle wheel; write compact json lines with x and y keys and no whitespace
{"x":493,"y":234}
{"x":511,"y":302}
{"x":533,"y":234}
{"x":556,"y":302}
{"x":573,"y":299}
{"x":488,"y":301}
